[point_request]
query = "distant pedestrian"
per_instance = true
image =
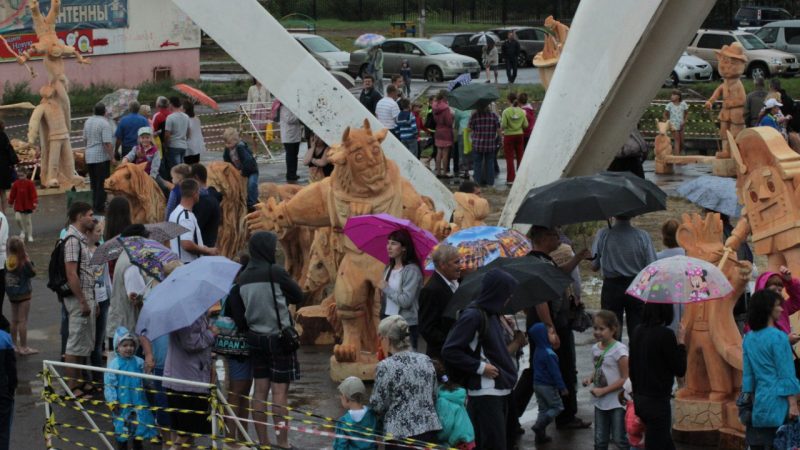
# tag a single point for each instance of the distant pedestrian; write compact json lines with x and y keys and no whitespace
{"x":238,"y":153}
{"x":677,"y":111}
{"x":407,"y":130}
{"x":401,"y":282}
{"x":405,"y":72}
{"x":375,"y":65}
{"x":387,"y":110}
{"x":513,"y":121}
{"x":754,"y":102}
{"x":144,"y":152}
{"x":147,"y":112}
{"x":369,"y":96}
{"x":443,"y":138}
{"x":19,"y":271}
{"x":490,"y":59}
{"x":359,"y":421}
{"x":159,"y":128}
{"x":127,"y":130}
{"x":772,"y":116}
{"x":610,"y":359}
{"x":484,"y":127}
{"x":8,"y":157}
{"x":405,"y":387}
{"x":176,"y":133}
{"x":657,"y":356}
{"x":462,"y":162}
{"x":98,"y":133}
{"x":25,"y":201}
{"x":291,"y":136}
{"x":399,"y":82}
{"x":511,"y":51}
{"x":195,"y":144}
{"x":178,"y":174}
{"x":189,"y":246}
{"x":547,"y":382}
{"x":8,"y":384}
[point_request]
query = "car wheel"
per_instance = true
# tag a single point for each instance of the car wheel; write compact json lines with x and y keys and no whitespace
{"x":433,"y":74}
{"x":522,"y":60}
{"x":362,"y":71}
{"x":757,"y":70}
{"x":673,"y":79}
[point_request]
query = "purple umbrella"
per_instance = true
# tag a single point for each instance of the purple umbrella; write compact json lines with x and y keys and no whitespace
{"x":369,"y":233}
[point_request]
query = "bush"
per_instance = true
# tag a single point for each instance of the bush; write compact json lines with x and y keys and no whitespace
{"x":18,"y":93}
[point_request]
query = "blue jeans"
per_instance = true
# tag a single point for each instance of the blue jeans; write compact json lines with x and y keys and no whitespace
{"x":175,"y":156}
{"x":96,"y":358}
{"x":412,"y":146}
{"x":548,"y":399}
{"x":483,"y":168}
{"x":609,"y":423}
{"x":252,"y":190}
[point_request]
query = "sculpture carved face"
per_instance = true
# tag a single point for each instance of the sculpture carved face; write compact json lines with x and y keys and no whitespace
{"x":550,"y":22}
{"x":359,"y":160}
{"x":730,"y":67}
{"x":765,"y":197}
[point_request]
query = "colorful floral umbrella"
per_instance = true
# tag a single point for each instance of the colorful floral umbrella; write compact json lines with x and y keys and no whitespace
{"x":369,"y":233}
{"x":159,"y":232}
{"x":479,"y":246}
{"x":679,"y":280}
{"x":369,"y":40}
{"x":148,"y":255}
{"x":118,"y":101}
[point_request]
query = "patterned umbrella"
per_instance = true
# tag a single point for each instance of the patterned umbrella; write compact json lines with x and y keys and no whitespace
{"x":148,"y":255}
{"x":479,"y":246}
{"x":117,"y":102}
{"x":369,"y":40}
{"x":679,"y":280}
{"x":160,"y":232}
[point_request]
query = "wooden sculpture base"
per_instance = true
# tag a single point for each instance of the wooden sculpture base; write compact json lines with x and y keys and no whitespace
{"x":546,"y":69}
{"x":313,"y":326}
{"x":365,"y":370}
{"x":702,"y":422}
{"x":724,"y":167}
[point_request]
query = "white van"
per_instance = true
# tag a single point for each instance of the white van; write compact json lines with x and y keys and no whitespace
{"x":782,"y":35}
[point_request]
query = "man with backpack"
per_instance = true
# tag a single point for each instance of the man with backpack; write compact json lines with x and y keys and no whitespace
{"x":189,"y":246}
{"x":79,"y":301}
{"x":476,"y":347}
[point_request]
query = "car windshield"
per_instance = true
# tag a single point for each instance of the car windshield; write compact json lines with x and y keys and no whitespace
{"x":319,"y":45}
{"x":445,"y":40}
{"x":433,"y":48}
{"x":751,"y":42}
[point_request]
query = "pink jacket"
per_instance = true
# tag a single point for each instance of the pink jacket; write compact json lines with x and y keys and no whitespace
{"x":790,"y":306}
{"x":444,"y":123}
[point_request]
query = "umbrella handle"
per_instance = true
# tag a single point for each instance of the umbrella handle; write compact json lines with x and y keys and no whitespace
{"x":724,"y":257}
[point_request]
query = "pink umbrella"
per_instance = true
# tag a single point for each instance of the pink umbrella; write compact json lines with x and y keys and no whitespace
{"x":369,"y":233}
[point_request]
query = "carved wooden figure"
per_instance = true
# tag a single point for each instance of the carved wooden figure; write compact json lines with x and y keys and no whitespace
{"x":732,"y":63}
{"x":295,"y":241}
{"x":146,"y":198}
{"x":364,"y":182}
{"x":49,"y":124}
{"x":663,"y":147}
{"x":471,"y":210}
{"x":554,"y":43}
{"x":227,"y":180}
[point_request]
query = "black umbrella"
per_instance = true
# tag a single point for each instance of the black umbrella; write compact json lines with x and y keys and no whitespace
{"x":473,"y":96}
{"x":539,"y":282}
{"x":588,"y":198}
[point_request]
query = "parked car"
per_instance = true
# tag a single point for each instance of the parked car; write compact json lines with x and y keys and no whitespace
{"x":531,"y":42}
{"x":465,"y":43}
{"x":428,"y":59}
{"x":782,"y":35}
{"x":329,"y":55}
{"x":758,"y":16}
{"x":761,"y":60}
{"x":690,"y":69}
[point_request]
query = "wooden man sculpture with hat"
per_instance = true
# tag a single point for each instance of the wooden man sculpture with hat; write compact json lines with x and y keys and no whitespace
{"x":732,"y":63}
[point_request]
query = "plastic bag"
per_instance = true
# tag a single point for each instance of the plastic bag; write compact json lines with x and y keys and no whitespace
{"x":269,"y":134}
{"x":467,"y":140}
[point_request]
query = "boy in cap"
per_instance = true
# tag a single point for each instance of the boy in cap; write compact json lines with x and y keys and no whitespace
{"x":359,"y":421}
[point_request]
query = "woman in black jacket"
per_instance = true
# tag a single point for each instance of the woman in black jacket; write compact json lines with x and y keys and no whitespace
{"x":656,"y":358}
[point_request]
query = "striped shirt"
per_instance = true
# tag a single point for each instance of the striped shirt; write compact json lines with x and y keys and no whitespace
{"x":623,"y":250}
{"x":75,"y":249}
{"x":484,"y":128}
{"x":97,"y":131}
{"x":386,"y":111}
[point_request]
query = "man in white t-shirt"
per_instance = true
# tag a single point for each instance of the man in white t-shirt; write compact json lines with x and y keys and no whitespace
{"x":387,"y":110}
{"x":189,"y":246}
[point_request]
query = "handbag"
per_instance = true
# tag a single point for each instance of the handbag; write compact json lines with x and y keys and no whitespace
{"x":230,"y":342}
{"x":745,"y":405}
{"x":787,"y":436}
{"x":288,"y":338}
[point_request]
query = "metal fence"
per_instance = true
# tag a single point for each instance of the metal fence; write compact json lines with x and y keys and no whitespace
{"x":439,"y":11}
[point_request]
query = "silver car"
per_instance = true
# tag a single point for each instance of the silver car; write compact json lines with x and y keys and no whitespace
{"x":689,"y":69}
{"x":428,"y":59}
{"x":330,"y":56}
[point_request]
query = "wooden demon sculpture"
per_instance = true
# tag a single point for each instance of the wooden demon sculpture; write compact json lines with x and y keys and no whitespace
{"x":295,"y":241}
{"x":227,"y":180}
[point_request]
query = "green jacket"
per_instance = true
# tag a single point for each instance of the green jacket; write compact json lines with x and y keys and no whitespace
{"x":513,"y":121}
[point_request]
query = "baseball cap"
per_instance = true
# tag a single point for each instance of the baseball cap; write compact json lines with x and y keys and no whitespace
{"x":352,"y":386}
{"x":144,"y":130}
{"x":771,"y":103}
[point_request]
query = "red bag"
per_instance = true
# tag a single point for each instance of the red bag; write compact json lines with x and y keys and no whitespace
{"x":634,"y":426}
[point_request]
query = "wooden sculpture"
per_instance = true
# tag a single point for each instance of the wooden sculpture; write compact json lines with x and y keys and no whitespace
{"x":732,"y":63}
{"x":471,"y":210}
{"x":714,"y":345}
{"x":663,"y":147}
{"x":51,"y":126}
{"x":316,"y":321}
{"x":767,"y":185}
{"x":364,"y":182}
{"x":295,"y":241}
{"x":146,"y":198}
{"x":545,"y":61}
{"x":227,"y":180}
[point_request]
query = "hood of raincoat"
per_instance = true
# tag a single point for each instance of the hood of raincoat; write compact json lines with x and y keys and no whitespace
{"x":761,"y":281}
{"x":538,"y":334}
{"x":262,"y":248}
{"x":456,"y":396}
{"x":122,"y":334}
{"x":496,"y":288}
{"x":439,"y":106}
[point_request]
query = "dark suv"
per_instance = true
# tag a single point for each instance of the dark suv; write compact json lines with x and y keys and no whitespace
{"x":531,"y":42}
{"x":757,"y":16}
{"x":464,"y":43}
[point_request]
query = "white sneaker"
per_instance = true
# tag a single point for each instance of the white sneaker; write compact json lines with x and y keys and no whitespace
{"x":30,"y":238}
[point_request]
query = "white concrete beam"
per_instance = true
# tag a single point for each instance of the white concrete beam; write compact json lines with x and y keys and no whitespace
{"x":617,"y":56}
{"x":247,"y":32}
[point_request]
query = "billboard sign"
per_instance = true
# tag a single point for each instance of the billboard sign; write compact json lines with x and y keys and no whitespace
{"x":15,"y":16}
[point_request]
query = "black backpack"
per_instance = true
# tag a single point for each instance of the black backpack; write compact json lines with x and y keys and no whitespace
{"x":57,"y":269}
{"x":456,"y":374}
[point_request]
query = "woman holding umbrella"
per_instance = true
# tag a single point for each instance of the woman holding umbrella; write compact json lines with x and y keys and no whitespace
{"x":375,"y":66}
{"x":402,"y":281}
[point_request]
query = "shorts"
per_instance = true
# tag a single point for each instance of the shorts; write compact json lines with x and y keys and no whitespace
{"x":270,"y":361}
{"x":80,"y":341}
{"x":240,"y":369}
{"x":189,"y":422}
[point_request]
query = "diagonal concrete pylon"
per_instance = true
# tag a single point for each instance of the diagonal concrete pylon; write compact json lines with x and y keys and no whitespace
{"x":267,"y":51}
{"x":617,"y":56}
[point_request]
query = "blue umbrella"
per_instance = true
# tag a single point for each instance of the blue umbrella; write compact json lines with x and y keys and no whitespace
{"x":186,"y":294}
{"x":714,"y":193}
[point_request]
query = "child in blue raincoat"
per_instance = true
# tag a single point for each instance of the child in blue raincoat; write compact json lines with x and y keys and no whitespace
{"x":130,"y":423}
{"x":451,"y":407}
